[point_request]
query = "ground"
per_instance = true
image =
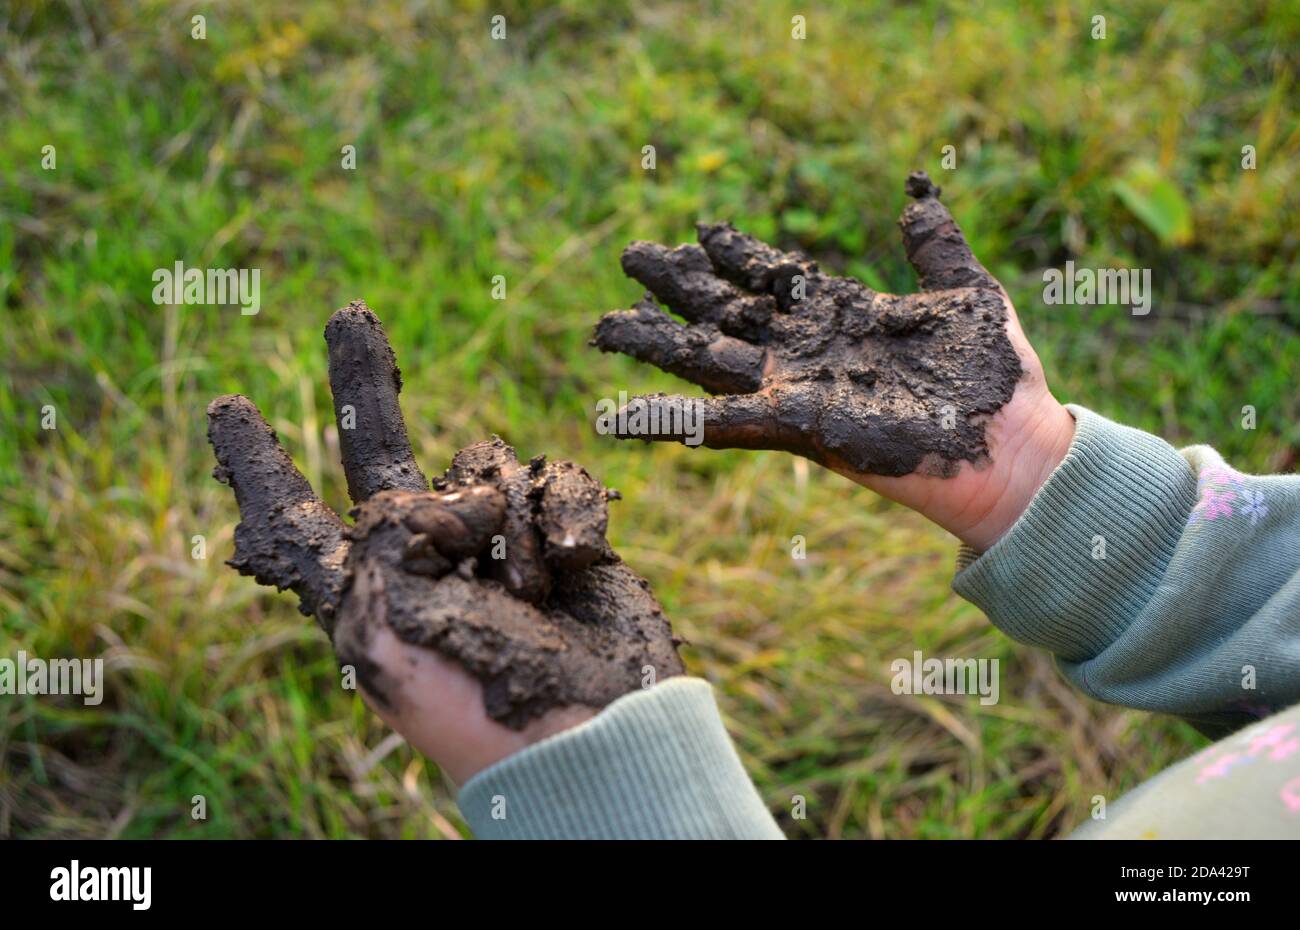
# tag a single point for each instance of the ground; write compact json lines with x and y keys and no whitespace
{"x":523,"y":158}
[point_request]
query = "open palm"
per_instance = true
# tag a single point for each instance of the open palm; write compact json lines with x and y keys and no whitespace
{"x":924,"y":397}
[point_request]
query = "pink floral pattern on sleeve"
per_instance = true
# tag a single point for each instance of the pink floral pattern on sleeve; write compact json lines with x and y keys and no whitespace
{"x":1273,"y":744}
{"x":1222,"y":492}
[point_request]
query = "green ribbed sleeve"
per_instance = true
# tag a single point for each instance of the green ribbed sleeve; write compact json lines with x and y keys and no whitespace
{"x":655,"y":764}
{"x":1161,"y":580}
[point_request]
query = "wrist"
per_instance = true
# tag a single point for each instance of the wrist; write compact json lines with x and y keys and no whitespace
{"x":1023,"y":463}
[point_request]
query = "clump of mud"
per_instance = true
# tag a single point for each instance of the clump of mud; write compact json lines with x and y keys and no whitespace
{"x":824,"y":366}
{"x":503,"y":567}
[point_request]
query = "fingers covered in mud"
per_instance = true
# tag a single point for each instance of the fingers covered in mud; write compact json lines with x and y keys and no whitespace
{"x":572,"y":516}
{"x":427,"y":565}
{"x":734,"y":421}
{"x":286,"y":536}
{"x":701,"y":353}
{"x":517,"y":562}
{"x":428,"y":533}
{"x":555,"y":520}
{"x":682,"y":278}
{"x":752,"y":263}
{"x":365,"y":382}
{"x":934,"y":243}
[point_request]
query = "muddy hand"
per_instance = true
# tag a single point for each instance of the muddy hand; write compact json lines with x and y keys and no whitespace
{"x":897,"y":392}
{"x":479,"y":616}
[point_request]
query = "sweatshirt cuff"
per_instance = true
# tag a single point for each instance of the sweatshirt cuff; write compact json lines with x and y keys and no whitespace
{"x":655,"y":764}
{"x":1091,"y":548}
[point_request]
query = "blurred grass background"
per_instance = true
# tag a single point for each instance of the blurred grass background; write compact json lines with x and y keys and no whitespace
{"x":523,"y":158}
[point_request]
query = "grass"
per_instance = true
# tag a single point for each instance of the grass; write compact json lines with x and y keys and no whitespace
{"x":523,"y":158}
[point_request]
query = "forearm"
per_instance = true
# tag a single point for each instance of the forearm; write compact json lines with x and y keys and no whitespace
{"x":1161,"y":579}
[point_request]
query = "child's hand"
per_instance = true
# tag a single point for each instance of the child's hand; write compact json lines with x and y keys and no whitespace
{"x":934,"y":399}
{"x":479,"y":617}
